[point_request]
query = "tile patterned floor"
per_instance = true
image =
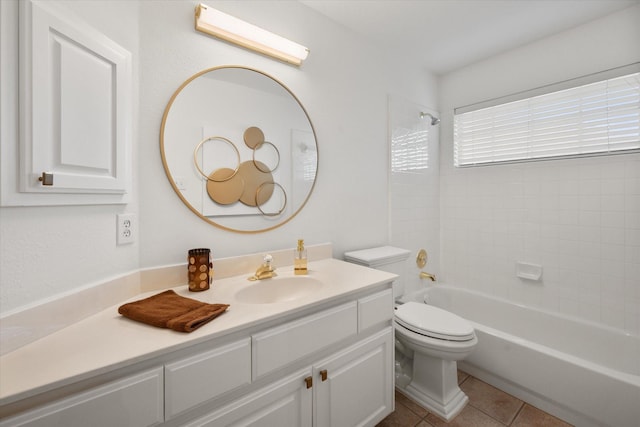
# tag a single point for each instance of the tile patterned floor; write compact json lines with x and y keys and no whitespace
{"x":487,"y":407}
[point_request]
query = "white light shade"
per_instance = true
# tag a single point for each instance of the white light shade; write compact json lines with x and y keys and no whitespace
{"x":234,"y":30}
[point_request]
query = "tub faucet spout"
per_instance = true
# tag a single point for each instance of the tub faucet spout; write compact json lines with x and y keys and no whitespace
{"x":424,"y":275}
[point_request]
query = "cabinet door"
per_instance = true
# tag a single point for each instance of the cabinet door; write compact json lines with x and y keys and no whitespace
{"x":132,"y":401}
{"x":355,"y":387}
{"x":76,"y":111}
{"x":286,"y":402}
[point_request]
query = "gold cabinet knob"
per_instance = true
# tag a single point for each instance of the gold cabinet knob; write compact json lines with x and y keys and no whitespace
{"x":309,"y":382}
{"x":46,"y":178}
{"x":323,"y":375}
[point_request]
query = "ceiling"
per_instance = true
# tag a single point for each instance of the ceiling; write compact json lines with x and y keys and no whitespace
{"x":444,"y":35}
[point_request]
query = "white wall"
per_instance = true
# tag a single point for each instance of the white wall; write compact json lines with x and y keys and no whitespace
{"x":47,"y":251}
{"x":344,"y":85}
{"x":578,"y":218}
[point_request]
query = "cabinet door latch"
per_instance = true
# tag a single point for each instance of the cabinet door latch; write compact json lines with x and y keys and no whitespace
{"x":46,"y":178}
{"x":309,"y":382}
{"x":323,"y":375}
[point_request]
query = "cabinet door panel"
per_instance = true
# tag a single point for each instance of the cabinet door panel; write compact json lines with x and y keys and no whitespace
{"x":194,"y":380}
{"x":358,"y":389}
{"x":284,"y":403}
{"x":76,"y":105}
{"x":132,"y":401}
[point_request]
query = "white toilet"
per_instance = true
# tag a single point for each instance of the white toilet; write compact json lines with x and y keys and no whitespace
{"x":429,"y":340}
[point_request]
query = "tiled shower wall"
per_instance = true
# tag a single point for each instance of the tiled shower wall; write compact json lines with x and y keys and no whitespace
{"x":414,"y":211}
{"x":577,"y":218}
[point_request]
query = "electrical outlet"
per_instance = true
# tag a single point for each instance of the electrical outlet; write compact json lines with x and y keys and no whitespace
{"x":125,"y":229}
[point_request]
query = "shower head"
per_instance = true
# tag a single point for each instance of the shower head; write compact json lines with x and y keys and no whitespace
{"x":434,"y":120}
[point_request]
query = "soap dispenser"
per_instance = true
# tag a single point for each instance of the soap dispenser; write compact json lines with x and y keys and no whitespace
{"x":300,"y":259}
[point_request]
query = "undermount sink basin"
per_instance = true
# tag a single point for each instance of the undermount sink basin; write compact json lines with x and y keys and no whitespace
{"x":278,"y":289}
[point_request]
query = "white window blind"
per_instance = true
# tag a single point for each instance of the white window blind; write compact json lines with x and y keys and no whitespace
{"x":596,"y":118}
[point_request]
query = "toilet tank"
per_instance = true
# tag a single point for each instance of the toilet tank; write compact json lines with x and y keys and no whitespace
{"x":385,"y":258}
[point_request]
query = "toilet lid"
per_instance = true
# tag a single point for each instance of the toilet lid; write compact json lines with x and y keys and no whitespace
{"x":433,"y":322}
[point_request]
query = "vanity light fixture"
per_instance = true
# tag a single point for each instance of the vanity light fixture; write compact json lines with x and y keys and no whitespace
{"x":234,"y":30}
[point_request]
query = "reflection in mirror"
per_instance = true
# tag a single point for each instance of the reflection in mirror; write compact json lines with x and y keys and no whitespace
{"x":239,"y":149}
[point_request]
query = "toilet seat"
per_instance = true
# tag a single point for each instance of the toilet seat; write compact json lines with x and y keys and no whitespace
{"x":433,"y":322}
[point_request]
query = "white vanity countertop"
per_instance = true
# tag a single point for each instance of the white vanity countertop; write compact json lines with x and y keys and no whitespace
{"x":107,"y":341}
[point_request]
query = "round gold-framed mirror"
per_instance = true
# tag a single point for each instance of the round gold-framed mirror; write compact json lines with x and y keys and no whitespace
{"x":230,"y":136}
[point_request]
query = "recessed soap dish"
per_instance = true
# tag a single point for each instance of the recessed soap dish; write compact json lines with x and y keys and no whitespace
{"x":528,"y":271}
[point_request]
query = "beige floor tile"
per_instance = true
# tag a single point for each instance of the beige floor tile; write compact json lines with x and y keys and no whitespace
{"x":401,"y":417}
{"x":469,"y":417}
{"x":413,"y":406}
{"x":530,"y":416}
{"x":496,"y":403}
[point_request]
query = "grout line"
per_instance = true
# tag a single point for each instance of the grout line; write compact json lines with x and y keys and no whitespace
{"x":492,"y":417}
{"x":464,"y":380}
{"x":518,"y":413}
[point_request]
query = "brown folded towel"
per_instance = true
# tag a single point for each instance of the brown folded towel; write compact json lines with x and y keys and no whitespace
{"x":170,"y":310}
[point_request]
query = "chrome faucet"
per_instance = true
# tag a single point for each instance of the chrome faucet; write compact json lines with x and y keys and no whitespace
{"x":429,"y":276}
{"x":266,"y":270}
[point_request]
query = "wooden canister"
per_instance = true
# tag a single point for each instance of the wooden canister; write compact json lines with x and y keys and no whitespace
{"x":200,"y":269}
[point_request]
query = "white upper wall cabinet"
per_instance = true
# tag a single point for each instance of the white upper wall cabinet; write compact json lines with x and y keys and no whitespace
{"x":75,"y":93}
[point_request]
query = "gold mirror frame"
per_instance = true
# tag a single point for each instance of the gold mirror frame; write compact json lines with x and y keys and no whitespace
{"x":178,"y":191}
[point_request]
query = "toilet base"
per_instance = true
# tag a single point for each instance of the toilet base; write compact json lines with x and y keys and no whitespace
{"x":434,"y":385}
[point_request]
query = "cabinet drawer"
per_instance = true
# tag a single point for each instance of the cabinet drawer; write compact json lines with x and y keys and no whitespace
{"x":132,"y":401}
{"x":195,"y":380}
{"x":276,"y":347}
{"x":375,"y":309}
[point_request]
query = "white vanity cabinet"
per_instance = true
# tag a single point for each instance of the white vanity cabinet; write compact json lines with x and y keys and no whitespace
{"x":326,"y":365}
{"x":351,"y":387}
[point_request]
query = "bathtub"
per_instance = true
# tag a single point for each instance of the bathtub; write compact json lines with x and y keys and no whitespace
{"x":581,"y":372}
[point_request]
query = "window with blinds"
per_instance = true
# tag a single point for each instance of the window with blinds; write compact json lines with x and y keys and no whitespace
{"x":602,"y":117}
{"x":410,"y":149}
